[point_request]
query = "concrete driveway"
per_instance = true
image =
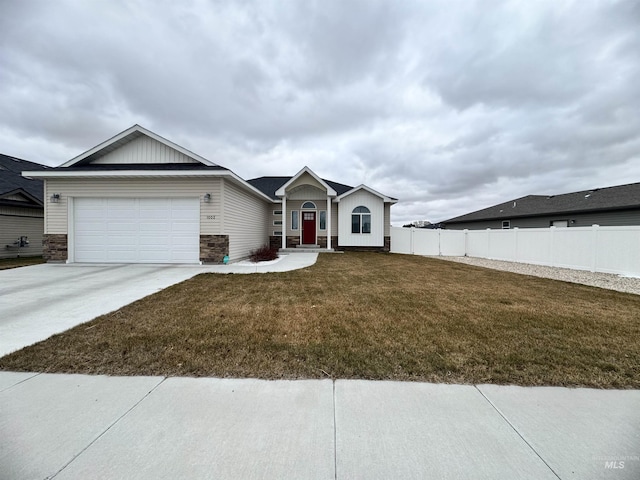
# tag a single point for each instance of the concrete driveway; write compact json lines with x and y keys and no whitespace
{"x":39,"y":301}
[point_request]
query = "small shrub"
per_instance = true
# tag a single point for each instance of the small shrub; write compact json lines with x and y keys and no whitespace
{"x":264,"y":254}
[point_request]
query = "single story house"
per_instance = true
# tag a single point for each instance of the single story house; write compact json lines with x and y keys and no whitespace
{"x":139,"y":198}
{"x":609,"y":206}
{"x":21,"y":209}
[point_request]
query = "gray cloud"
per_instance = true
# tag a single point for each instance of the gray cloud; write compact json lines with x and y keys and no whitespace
{"x":449,"y":106}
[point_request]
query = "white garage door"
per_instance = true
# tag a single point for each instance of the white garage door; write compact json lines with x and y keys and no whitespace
{"x":137,"y":230}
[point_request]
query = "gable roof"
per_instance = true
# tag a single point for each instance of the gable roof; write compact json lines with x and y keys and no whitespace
{"x":330,"y":191}
{"x":370,"y":190}
{"x":125,"y":137}
{"x":619,"y":197}
{"x":269,"y":185}
{"x":12,"y":182}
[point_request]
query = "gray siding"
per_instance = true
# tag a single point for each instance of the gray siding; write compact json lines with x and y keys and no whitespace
{"x":246,"y":220}
{"x":604,"y":219}
{"x":387,"y":219}
{"x":16,"y":222}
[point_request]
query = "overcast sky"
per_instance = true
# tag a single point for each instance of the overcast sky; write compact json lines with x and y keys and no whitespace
{"x":449,"y":106}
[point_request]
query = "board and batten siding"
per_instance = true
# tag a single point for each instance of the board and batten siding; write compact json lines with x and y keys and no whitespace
{"x":246,"y":221}
{"x":376,"y":206}
{"x":16,"y":222}
{"x":144,"y":150}
{"x":57,"y":214}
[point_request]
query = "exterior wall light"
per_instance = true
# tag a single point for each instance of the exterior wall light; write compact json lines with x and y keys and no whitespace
{"x":55,"y":198}
{"x":207,"y":197}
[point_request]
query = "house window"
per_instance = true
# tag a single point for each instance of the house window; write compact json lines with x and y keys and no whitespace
{"x":323,"y":219}
{"x":294,"y":220}
{"x":309,"y":205}
{"x":277,"y":233}
{"x":277,"y":212}
{"x":277,"y":222}
{"x":361,"y":220}
{"x":506,"y":224}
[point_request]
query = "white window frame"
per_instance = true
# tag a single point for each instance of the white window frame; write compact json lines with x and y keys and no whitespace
{"x":506,"y":224}
{"x":320,"y":213}
{"x":277,"y":233}
{"x":296,"y":225}
{"x":277,"y":213}
{"x":277,"y":223}
{"x":360,"y":216}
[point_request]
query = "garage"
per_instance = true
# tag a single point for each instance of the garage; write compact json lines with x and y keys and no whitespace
{"x":136,"y":230}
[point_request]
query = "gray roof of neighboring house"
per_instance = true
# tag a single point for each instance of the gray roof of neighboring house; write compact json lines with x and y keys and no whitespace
{"x":269,"y":185}
{"x":11,"y":178}
{"x":620,"y":197}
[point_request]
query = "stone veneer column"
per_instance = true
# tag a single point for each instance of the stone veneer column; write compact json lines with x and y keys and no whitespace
{"x":213,"y":248}
{"x":54,"y":247}
{"x":387,"y":244}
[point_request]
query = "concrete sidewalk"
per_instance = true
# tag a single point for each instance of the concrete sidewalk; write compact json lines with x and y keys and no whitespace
{"x":41,"y":300}
{"x":80,"y":426}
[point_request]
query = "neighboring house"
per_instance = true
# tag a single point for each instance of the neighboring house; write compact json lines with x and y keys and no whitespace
{"x":140,"y":198}
{"x":21,"y":209}
{"x":610,"y":206}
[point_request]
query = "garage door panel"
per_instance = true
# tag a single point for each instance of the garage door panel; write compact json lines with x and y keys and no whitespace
{"x":154,"y":227}
{"x":149,"y":230}
{"x":90,"y":227}
{"x":153,"y":242}
{"x":90,"y":241}
{"x":126,"y":240}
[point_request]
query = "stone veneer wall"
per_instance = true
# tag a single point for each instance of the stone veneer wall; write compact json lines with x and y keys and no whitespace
{"x":275,"y":242}
{"x":213,"y":248}
{"x":385,"y":248}
{"x":387,"y":244}
{"x":54,"y":247}
{"x":293,"y":242}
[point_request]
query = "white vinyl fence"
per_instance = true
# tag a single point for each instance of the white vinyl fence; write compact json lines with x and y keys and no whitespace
{"x":598,"y":249}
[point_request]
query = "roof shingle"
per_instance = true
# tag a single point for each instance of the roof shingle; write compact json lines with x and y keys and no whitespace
{"x":619,"y":197}
{"x":11,"y":178}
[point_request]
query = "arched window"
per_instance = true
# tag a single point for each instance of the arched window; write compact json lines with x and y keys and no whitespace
{"x":309,"y":205}
{"x":361,"y":220}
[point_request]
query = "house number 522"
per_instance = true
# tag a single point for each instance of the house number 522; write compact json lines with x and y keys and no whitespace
{"x":211,"y":217}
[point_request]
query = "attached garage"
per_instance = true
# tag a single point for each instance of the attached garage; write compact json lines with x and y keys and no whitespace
{"x":136,"y":230}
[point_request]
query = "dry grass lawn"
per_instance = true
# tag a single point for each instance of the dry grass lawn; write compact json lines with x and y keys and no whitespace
{"x":6,"y":263}
{"x":363,"y":315}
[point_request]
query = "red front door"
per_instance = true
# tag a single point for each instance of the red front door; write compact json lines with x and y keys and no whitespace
{"x":308,"y":228}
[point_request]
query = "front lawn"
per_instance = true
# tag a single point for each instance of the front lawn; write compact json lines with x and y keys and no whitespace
{"x":363,"y":315}
{"x":16,"y":262}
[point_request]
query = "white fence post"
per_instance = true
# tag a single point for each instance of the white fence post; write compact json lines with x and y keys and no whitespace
{"x":411,"y":248}
{"x":466,"y":240}
{"x":552,"y":231}
{"x":594,"y":253}
{"x":488,"y":243}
